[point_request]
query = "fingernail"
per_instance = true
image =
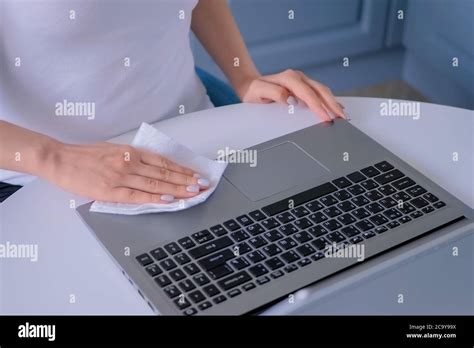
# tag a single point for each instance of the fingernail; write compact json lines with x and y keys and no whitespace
{"x":167,"y":198}
{"x":292,"y":100}
{"x":192,"y":188}
{"x":196,"y":175}
{"x":342,"y":106}
{"x":203,"y":182}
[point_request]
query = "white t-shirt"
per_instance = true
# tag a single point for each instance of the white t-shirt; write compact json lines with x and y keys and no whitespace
{"x":88,"y":70}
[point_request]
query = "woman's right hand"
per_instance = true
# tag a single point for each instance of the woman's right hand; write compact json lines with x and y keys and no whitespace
{"x":119,"y":173}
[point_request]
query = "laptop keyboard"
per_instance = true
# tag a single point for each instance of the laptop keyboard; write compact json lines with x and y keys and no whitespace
{"x":208,"y":267}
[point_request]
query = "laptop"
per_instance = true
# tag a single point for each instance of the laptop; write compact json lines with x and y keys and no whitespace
{"x":316,"y":198}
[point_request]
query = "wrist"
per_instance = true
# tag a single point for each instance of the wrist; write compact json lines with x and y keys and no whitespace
{"x":242,"y":83}
{"x":48,"y":154}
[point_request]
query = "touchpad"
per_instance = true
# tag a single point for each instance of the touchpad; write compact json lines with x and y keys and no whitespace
{"x":276,"y":169}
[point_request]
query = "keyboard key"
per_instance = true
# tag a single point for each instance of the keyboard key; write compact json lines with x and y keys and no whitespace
{"x":318,"y":217}
{"x":182,"y":303}
{"x":364,"y":225}
{"x":153,"y":270}
{"x":255,"y":256}
{"x":190,"y":311}
{"x":271,"y":249}
{"x":257,"y":215}
{"x":387,"y":190}
{"x":158,"y":254}
{"x":439,"y":204}
{"x":342,"y":182}
{"x":428,"y":209}
{"x":288,"y":229}
{"x":360,"y":201}
{"x":177,"y":274}
{"x":144,"y":259}
{"x":270,"y":223}
{"x":303,"y":223}
{"x":255,"y":229}
{"x":258,"y":270}
{"x":342,"y":195}
{"x":234,"y":293}
{"x":403,"y":183}
{"x":356,"y":240}
{"x":346,"y":206}
{"x":285,"y":217}
{"x":374,"y":208}
{"x":168,"y":264}
{"x":320,"y":243}
{"x":370,"y":171}
{"x":318,"y":256}
{"x":304,"y":262}
{"x":415,"y":191}
{"x":218,"y":230}
{"x":317,"y":231}
{"x":328,"y":200}
{"x":186,"y":243}
{"x":273,"y":235}
{"x":201,"y":279}
{"x":314,"y":206}
{"x":373,"y":195}
{"x":287,"y":243}
{"x":356,"y":177}
{"x":350,"y":231}
{"x":290,"y":268}
{"x":231,"y":225}
{"x":406,"y":208}
{"x":202,"y":236}
{"x":219,"y":299}
{"x":302,"y":237}
{"x":182,"y":258}
{"x":163,"y":280}
{"x":390,"y":176}
{"x":257,"y":241}
{"x":332,"y":225}
{"x":335,"y":237}
{"x":172,"y":248}
{"x":242,"y":248}
{"x":220,"y":271}
{"x":360,"y":213}
{"x":277,"y":274}
{"x":211,"y":290}
{"x":239,"y":236}
{"x":332,"y":212}
{"x":404,"y":219}
{"x":186,"y":285}
{"x":239,"y":263}
{"x":244,"y":220}
{"x":388,"y":202}
{"x":430,"y":197}
{"x":369,"y":184}
{"x":401,"y":197}
{"x":263,"y":280}
{"x":356,"y":190}
{"x":248,"y":286}
{"x":416,"y":214}
{"x":210,"y":247}
{"x":346,"y":219}
{"x":383,"y":166}
{"x":381,"y":229}
{"x":205,"y":305}
{"x":392,"y":224}
{"x":191,"y":269}
{"x":378,"y":219}
{"x":274,"y":263}
{"x":290,"y":256}
{"x":197,"y":296}
{"x":305,"y":250}
{"x":217,"y":259}
{"x":300,"y":212}
{"x":368,"y":234}
{"x":172,"y":291}
{"x":392,"y":213}
{"x":419,"y":202}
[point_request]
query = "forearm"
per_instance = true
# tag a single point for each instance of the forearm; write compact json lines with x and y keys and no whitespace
{"x":23,"y":150}
{"x":215,"y":27}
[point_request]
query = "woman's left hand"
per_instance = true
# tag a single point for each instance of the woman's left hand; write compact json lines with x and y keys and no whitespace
{"x":284,"y":87}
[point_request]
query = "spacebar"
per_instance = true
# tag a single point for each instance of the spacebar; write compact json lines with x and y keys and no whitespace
{"x":299,"y":198}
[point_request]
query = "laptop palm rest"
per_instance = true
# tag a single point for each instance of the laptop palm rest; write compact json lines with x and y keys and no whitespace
{"x":274,"y":170}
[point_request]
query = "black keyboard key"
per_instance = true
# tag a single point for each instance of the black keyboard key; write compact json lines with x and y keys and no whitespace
{"x":242,"y":248}
{"x":239,"y":263}
{"x":274,"y":263}
{"x":287,"y":243}
{"x":263,"y":280}
{"x":428,"y":209}
{"x":182,"y":303}
{"x":356,"y":240}
{"x":202,"y":236}
{"x":168,"y":264}
{"x":305,"y":250}
{"x":332,"y":212}
{"x":350,"y":231}
{"x":388,"y":202}
{"x":186,"y":285}
{"x":387,"y":177}
{"x":415,"y":191}
{"x":197,"y":296}
{"x":255,"y":229}
{"x":244,"y":220}
{"x":370,"y":171}
{"x":218,"y":230}
{"x":258,"y":270}
{"x":177,"y":274}
{"x":249,"y":286}
{"x":300,"y":198}
{"x":257,"y":215}
{"x":231,"y":225}
{"x":401,"y":196}
{"x":220,"y":271}
{"x":288,"y":229}
{"x":328,"y":200}
{"x":360,"y":201}
{"x":302,"y":237}
{"x":342,"y":182}
{"x":430,"y":197}
{"x":439,"y":204}
{"x":335,"y":237}
{"x":290,"y":268}
{"x":277,"y":274}
{"x":273,"y":235}
{"x":144,"y":259}
{"x":374,"y":208}
{"x":303,"y":223}
{"x":317,"y":231}
{"x":403,"y":183}
{"x":346,"y":206}
{"x":373,"y":195}
{"x":234,"y":293}
{"x":217,"y":259}
{"x":172,"y":248}
{"x":255,"y":256}
{"x":419,"y":202}
{"x":383,"y":166}
{"x":416,"y":214}
{"x":211,"y":290}
{"x":364,"y":225}
{"x":205,"y":305}
{"x":380,"y":229}
{"x":356,"y":190}
{"x":239,"y":236}
{"x":270,"y":223}
{"x":369,"y":184}
{"x":219,"y":299}
{"x":153,"y":270}
{"x":318,"y":217}
{"x":285,"y":217}
{"x":163,"y":280}
{"x":172,"y":291}
{"x":304,"y":262}
{"x":257,"y":241}
{"x":201,"y":279}
{"x":190,"y":311}
{"x":182,"y":259}
{"x":368,"y":234}
{"x":314,"y":206}
{"x":392,"y":224}
{"x":356,"y":177}
{"x":404,"y":219}
{"x":158,"y":254}
{"x":406,"y":208}
{"x":392,"y":213}
{"x":300,"y":211}
{"x":271,"y":249}
{"x":378,"y":219}
{"x":387,"y":190}
{"x":318,"y":256}
{"x":210,"y":247}
{"x":332,"y":225}
{"x":342,"y":195}
{"x":290,"y":256}
{"x":186,"y":243}
{"x":360,"y":213}
{"x":320,"y":243}
{"x":346,"y":219}
{"x":191,"y":269}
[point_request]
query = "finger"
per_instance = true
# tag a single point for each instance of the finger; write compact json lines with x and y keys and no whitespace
{"x":131,"y":196}
{"x":293,"y":81}
{"x":160,"y":161}
{"x":155,"y":186}
{"x":169,"y":176}
{"x":273,"y":92}
{"x":327,"y":96}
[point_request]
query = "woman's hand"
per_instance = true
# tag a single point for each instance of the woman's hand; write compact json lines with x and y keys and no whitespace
{"x":285,"y":86}
{"x":119,"y":173}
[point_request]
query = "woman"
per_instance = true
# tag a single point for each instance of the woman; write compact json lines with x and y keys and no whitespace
{"x":79,"y":72}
